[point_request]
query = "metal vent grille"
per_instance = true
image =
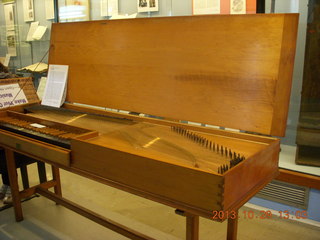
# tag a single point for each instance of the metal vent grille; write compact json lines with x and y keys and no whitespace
{"x":289,"y":194}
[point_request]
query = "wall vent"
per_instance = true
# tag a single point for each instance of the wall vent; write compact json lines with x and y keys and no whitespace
{"x":286,"y":193}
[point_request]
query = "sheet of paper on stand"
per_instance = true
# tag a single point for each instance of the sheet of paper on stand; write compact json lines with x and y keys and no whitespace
{"x":56,"y":87}
{"x":32,"y":29}
{"x":41,"y":87}
{"x":38,"y":34}
{"x":7,"y":60}
{"x":37,"y":67}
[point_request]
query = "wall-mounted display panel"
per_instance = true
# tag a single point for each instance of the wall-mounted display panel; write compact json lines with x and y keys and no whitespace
{"x":9,"y":16}
{"x":28,"y":11}
{"x":75,"y":10}
{"x":49,"y":5}
{"x":109,"y":8}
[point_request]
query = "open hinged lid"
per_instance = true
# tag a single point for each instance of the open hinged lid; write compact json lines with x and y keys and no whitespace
{"x":227,"y":70}
{"x":17,"y":91}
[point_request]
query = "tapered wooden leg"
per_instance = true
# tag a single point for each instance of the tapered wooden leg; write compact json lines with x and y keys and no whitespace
{"x":13,"y":178}
{"x":24,"y":176}
{"x":42,"y":172}
{"x":232,"y":228}
{"x":192,"y":230}
{"x":56,"y":177}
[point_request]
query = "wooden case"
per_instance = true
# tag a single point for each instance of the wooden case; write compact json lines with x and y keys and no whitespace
{"x":233,"y":71}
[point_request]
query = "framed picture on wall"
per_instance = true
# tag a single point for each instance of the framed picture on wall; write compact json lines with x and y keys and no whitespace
{"x":148,"y":5}
{"x":28,"y":11}
{"x":224,"y":6}
{"x":238,"y":6}
{"x":206,"y":6}
{"x":49,"y":6}
{"x":11,"y":43}
{"x":109,"y":8}
{"x":75,"y":10}
{"x":9,"y":16}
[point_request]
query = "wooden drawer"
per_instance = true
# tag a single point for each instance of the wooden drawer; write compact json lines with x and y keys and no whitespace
{"x":35,"y":148}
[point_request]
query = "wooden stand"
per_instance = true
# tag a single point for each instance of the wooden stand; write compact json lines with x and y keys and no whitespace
{"x":192,"y":221}
{"x":16,"y":195}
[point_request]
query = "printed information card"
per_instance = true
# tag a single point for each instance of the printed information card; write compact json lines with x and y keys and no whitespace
{"x":56,"y":87}
{"x":11,"y":95}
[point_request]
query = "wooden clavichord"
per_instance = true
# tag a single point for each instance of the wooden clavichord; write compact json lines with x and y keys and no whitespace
{"x":233,"y":71}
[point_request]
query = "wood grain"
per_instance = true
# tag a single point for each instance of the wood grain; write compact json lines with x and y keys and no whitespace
{"x":249,"y":176}
{"x":179,"y":183}
{"x":279,"y":121}
{"x":196,"y":68}
{"x":192,"y":227}
{"x":13,"y":177}
{"x":232,"y":228}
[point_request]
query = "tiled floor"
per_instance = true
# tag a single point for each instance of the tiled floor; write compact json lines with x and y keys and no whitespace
{"x":43,"y":219}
